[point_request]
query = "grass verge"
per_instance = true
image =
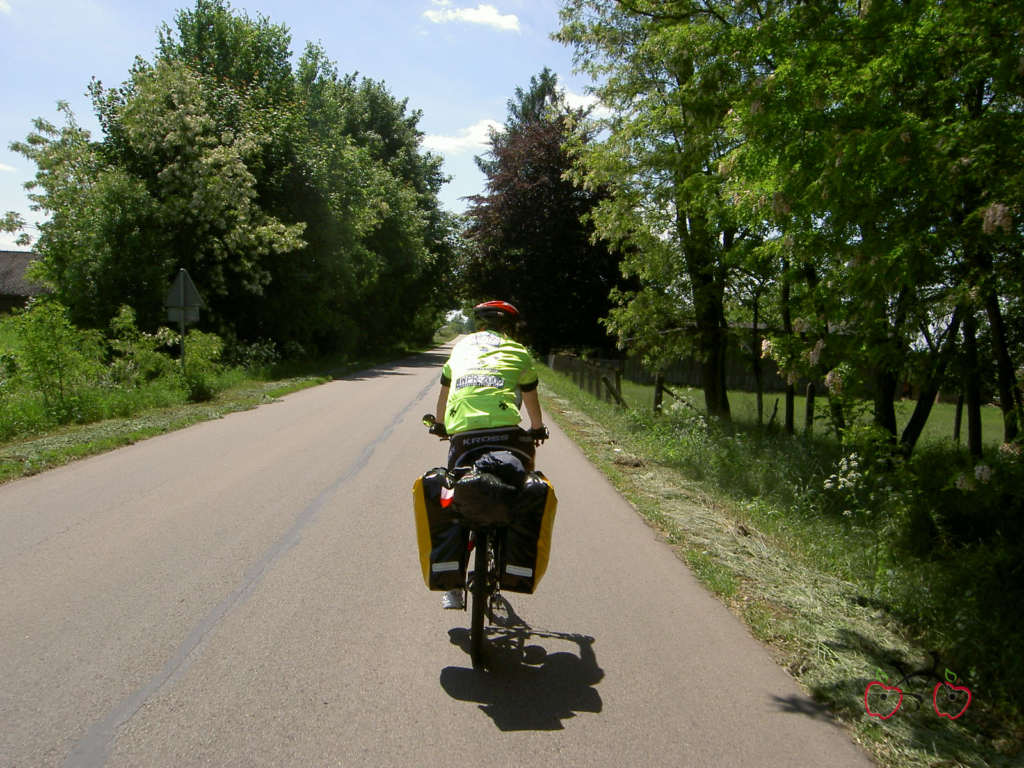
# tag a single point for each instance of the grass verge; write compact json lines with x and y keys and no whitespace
{"x":31,"y":455}
{"x":793,"y":579}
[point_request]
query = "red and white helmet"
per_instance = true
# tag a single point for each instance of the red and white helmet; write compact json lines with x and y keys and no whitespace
{"x":500,"y":312}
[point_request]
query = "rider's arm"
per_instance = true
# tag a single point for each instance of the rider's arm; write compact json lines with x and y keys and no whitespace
{"x":532,"y":403}
{"x":442,"y":404}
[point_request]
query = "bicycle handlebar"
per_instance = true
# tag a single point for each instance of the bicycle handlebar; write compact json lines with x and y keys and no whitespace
{"x":435,"y":427}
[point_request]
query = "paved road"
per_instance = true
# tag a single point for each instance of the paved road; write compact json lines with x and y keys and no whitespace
{"x":246,"y":592}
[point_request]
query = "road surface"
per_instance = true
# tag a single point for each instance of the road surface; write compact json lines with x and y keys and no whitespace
{"x":247,"y":592}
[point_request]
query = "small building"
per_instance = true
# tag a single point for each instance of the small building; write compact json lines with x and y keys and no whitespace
{"x":15,"y":290}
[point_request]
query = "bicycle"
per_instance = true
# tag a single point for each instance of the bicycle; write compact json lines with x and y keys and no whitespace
{"x":483,"y":582}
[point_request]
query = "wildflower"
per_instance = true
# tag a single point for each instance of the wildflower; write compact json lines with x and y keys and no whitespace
{"x":983,"y":473}
{"x":1010,"y":449}
{"x":834,"y":381}
{"x":963,"y":482}
{"x":766,"y":348}
{"x":815,"y":354}
{"x":997,"y":216}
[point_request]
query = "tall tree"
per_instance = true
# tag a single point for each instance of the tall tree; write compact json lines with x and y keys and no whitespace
{"x":530,"y":237}
{"x":300,"y":201}
{"x":666,"y":72}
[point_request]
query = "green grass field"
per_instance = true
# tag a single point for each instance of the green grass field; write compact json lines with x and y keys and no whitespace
{"x":743,"y":405}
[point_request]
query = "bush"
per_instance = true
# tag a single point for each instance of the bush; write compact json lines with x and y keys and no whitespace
{"x":56,"y":359}
{"x":137,"y":357}
{"x":202,"y":367}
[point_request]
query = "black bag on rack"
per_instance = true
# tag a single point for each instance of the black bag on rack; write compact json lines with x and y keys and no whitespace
{"x":526,"y":542}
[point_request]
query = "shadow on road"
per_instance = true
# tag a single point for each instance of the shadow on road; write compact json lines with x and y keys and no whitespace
{"x":433,"y":359}
{"x":530,"y":684}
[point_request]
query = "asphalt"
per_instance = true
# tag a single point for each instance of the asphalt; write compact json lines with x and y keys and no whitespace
{"x":247,"y":592}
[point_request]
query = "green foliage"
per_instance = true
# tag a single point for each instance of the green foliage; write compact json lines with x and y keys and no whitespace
{"x":848,"y":171}
{"x":56,"y":359}
{"x":137,"y":358}
{"x":299,"y":200}
{"x":202,"y":367}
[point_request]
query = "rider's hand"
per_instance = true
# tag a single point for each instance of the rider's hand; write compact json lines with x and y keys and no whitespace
{"x":539,"y":435}
{"x":434,"y":426}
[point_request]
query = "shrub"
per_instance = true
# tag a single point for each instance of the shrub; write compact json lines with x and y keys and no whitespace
{"x":137,"y":356}
{"x":58,"y":360}
{"x":202,"y":366}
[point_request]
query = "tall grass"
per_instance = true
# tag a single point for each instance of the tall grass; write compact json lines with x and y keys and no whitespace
{"x":935,"y":542}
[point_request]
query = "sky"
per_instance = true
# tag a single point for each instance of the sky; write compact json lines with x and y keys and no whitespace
{"x":456,"y":61}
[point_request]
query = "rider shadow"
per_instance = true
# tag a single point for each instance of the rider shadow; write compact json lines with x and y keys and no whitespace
{"x":525,"y":686}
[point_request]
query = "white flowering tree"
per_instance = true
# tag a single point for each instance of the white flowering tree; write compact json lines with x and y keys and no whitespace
{"x":298,"y":200}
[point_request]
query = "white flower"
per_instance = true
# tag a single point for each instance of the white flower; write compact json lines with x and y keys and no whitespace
{"x":815,"y":354}
{"x":766,"y":348}
{"x":983,"y":473}
{"x":963,"y":482}
{"x":834,"y":381}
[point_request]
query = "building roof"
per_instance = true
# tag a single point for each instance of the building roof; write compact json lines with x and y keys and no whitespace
{"x":12,"y":274}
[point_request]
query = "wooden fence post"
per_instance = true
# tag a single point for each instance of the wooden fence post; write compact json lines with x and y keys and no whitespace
{"x":809,"y":410}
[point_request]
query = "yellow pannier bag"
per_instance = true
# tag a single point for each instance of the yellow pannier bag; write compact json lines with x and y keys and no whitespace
{"x":441,"y":540}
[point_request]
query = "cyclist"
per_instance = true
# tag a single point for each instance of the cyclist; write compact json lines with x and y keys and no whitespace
{"x":482,"y":384}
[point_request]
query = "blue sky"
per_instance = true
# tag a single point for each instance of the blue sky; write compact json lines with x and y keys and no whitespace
{"x":457,"y":61}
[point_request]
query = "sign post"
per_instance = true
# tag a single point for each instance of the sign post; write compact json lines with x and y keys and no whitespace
{"x":183,"y":304}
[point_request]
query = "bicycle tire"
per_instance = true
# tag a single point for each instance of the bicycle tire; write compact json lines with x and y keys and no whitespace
{"x":479,"y":595}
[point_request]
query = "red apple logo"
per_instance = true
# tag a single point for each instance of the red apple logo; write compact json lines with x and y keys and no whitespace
{"x":884,"y":698}
{"x":948,"y":698}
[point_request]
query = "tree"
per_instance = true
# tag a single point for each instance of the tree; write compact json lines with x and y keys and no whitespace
{"x":531,"y":241}
{"x":670,"y":80}
{"x":300,"y":201}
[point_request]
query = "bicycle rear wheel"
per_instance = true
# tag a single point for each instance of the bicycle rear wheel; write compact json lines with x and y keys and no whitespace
{"x":479,"y":596}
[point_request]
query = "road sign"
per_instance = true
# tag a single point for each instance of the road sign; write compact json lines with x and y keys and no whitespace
{"x":183,"y":304}
{"x":183,"y":300}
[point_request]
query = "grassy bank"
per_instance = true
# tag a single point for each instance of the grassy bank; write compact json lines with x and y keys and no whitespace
{"x":147,"y":417}
{"x":844,"y":587}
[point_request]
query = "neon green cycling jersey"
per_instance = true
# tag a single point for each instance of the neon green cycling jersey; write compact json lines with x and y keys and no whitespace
{"x":484,"y":371}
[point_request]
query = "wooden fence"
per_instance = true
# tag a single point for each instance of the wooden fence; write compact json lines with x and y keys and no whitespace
{"x":601,"y":378}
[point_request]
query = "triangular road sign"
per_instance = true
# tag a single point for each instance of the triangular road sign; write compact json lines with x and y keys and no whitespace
{"x":183,"y":293}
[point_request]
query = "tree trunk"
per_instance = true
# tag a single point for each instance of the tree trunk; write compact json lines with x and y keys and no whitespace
{"x":755,"y":341}
{"x":941,"y":357}
{"x":958,"y":419}
{"x":972,"y":385}
{"x":835,"y":407}
{"x":709,"y":312}
{"x":659,"y":392}
{"x":787,"y":327}
{"x":885,"y":401}
{"x":809,"y":410}
{"x":1004,"y":367}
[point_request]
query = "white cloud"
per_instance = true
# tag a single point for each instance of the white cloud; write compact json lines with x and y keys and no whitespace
{"x":471,"y":139}
{"x":5,"y":7}
{"x":482,"y":14}
{"x":4,"y":168}
{"x":585,"y":101}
